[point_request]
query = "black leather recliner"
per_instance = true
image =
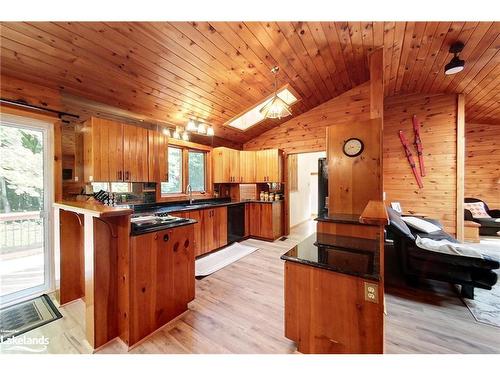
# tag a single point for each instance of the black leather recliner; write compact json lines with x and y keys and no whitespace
{"x":417,"y":263}
{"x":489,"y":227}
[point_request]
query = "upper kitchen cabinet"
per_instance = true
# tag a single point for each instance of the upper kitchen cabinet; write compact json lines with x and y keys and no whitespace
{"x":247,"y":166}
{"x":226,"y":165}
{"x":158,"y":156}
{"x":117,"y":152}
{"x":135,"y":154}
{"x":269,"y":165}
{"x":103,"y":150}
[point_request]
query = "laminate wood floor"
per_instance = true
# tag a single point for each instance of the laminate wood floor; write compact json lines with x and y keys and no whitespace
{"x":239,"y":309}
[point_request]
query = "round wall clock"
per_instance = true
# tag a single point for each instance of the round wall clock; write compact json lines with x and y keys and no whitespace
{"x":353,"y":147}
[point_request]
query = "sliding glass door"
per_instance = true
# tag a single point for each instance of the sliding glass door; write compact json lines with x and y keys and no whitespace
{"x":25,"y":199}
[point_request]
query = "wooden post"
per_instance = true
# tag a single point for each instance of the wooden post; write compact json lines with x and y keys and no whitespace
{"x":460,"y":166}
{"x":376,"y":61}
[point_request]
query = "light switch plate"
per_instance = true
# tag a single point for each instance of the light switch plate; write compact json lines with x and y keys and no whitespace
{"x":371,"y":292}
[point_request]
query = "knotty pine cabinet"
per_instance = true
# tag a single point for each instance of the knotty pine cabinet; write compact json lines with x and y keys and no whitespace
{"x":210,"y":231}
{"x":233,"y":166}
{"x":269,"y":165}
{"x":226,"y":165}
{"x":162,"y":280}
{"x":247,"y":166}
{"x":157,"y":156}
{"x":118,"y":152}
{"x":265,"y":220}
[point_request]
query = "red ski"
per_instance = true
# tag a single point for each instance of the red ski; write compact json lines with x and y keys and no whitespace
{"x":418,"y":145}
{"x":409,"y":156}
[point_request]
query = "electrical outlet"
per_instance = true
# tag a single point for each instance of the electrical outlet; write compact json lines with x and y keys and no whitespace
{"x":371,"y":292}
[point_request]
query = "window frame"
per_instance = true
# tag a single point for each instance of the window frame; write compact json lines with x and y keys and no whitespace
{"x":186,"y":147}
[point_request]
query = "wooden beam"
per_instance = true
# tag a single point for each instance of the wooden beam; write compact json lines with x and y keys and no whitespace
{"x":460,"y":165}
{"x":376,"y":61}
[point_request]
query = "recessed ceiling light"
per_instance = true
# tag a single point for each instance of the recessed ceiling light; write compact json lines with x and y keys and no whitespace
{"x":455,"y":65}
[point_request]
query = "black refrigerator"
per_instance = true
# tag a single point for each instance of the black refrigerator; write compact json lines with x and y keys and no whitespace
{"x":322,"y":187}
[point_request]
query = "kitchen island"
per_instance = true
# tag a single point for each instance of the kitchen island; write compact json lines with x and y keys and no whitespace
{"x":100,"y":263}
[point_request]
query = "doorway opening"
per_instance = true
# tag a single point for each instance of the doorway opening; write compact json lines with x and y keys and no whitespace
{"x":303,"y":177}
{"x":26,"y":199}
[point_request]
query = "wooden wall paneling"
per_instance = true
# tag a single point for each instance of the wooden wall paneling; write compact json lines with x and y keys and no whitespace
{"x":460,"y":166}
{"x":482,"y":163}
{"x":353,"y":182}
{"x":438,"y":118}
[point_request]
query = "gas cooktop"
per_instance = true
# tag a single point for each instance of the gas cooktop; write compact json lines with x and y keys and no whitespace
{"x":154,"y":222}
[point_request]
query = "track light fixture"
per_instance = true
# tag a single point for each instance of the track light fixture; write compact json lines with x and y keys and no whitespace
{"x":455,"y":65}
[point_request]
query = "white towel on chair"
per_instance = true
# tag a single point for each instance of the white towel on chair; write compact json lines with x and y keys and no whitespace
{"x":448,"y":247}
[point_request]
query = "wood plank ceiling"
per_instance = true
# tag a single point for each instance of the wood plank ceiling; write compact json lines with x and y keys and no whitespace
{"x":212,"y":71}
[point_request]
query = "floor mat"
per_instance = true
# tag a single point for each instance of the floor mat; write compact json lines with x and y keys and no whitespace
{"x":222,"y":258}
{"x":485,"y":307}
{"x":27,"y":315}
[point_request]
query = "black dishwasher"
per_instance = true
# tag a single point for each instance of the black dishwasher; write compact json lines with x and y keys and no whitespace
{"x":235,"y":222}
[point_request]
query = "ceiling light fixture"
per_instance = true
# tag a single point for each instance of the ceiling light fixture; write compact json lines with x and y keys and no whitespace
{"x":176,"y":134}
{"x":276,"y":108}
{"x":166,"y":132}
{"x":455,"y":65}
{"x":201,"y":128}
{"x":191,"y":126}
{"x":210,"y":131}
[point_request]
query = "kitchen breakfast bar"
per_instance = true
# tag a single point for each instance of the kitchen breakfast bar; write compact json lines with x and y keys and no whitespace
{"x":114,"y":272}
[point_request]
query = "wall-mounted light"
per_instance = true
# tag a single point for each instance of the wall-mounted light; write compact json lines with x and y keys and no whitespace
{"x":166,"y":132}
{"x":191,"y":126}
{"x":201,"y":128}
{"x":455,"y":65}
{"x":176,"y":134}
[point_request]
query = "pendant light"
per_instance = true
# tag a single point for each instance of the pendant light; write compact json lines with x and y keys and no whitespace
{"x":210,"y":131}
{"x":455,"y":65}
{"x":276,"y":107}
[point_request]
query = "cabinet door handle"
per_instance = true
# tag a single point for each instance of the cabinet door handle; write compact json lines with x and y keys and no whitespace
{"x":119,"y":175}
{"x":127,"y":175}
{"x":165,"y":238}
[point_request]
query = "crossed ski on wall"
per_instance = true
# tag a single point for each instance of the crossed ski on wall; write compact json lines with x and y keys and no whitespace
{"x":420,"y":152}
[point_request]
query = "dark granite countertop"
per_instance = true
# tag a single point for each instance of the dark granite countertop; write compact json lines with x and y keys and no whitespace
{"x":347,"y":255}
{"x":341,"y":219}
{"x":199,"y":204}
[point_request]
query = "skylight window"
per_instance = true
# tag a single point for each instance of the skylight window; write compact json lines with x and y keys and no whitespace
{"x":253,"y":116}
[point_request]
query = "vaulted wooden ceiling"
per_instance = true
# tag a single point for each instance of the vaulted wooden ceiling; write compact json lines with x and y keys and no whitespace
{"x":212,"y":71}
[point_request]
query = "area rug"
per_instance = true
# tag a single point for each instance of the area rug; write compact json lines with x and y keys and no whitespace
{"x":222,"y":258}
{"x":485,"y":307}
{"x":27,"y":315}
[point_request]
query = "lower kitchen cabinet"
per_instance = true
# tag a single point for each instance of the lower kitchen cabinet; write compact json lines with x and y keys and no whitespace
{"x":210,"y":231}
{"x":162,"y":280}
{"x":214,"y":229}
{"x":265,"y":220}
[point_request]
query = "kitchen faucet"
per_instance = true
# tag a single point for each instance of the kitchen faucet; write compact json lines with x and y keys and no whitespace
{"x":189,"y":190}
